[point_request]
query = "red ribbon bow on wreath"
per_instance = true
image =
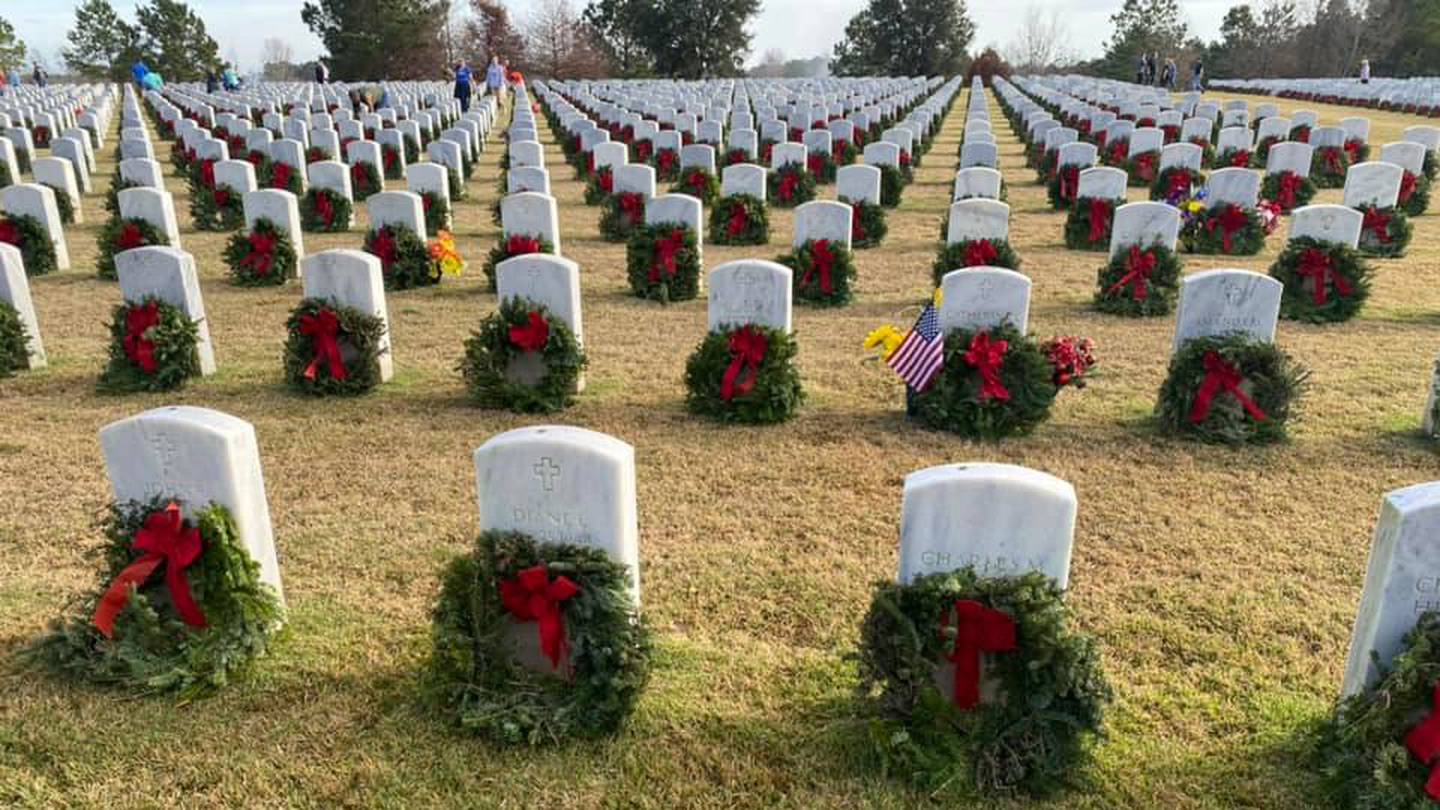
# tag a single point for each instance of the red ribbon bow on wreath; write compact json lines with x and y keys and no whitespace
{"x":1100,"y":211}
{"x":986,"y":357}
{"x":980,"y":253}
{"x":324,"y":208}
{"x":358,"y":177}
{"x":521,"y":245}
{"x":822,"y":261}
{"x":139,"y":349}
{"x":748,"y":346}
{"x":532,"y":335}
{"x":1316,"y":266}
{"x":221,"y":196}
{"x":1407,"y":187}
{"x":1139,"y":266}
{"x":697,"y":182}
{"x":815,"y":164}
{"x":1423,"y":742}
{"x":1240,"y":158}
{"x":666,"y":251}
{"x":857,"y":228}
{"x":261,"y":255}
{"x":1352,"y":150}
{"x":280,"y":176}
{"x":978,"y":629}
{"x":1221,"y":377}
{"x":1377,"y":223}
{"x":9,"y":233}
{"x":1069,"y":183}
{"x":532,"y":596}
{"x":1180,"y":183}
{"x":207,"y":174}
{"x":666,"y":160}
{"x":642,"y":150}
{"x":632,"y":205}
{"x":739,"y":220}
{"x":788,"y":182}
{"x":163,"y":539}
{"x":389,"y":155}
{"x":1145,"y":166}
{"x":1334,"y":164}
{"x":605,"y":180}
{"x":1286,"y":188}
{"x":383,"y":246}
{"x":323,"y":329}
{"x":129,"y":238}
{"x":1231,"y":220}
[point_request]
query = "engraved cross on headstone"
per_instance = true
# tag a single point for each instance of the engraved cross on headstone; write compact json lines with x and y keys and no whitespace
{"x":547,"y":471}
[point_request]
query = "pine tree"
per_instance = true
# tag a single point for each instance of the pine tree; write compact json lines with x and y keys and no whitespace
{"x":380,"y":39}
{"x":102,"y":45}
{"x":12,"y":50}
{"x":1141,"y":27}
{"x":905,"y":38}
{"x":619,"y":27}
{"x":175,"y":42}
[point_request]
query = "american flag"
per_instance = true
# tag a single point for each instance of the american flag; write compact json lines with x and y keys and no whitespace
{"x":921,"y":355}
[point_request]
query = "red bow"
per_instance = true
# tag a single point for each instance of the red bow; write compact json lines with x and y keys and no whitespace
{"x":533,"y":335}
{"x":323,"y":328}
{"x":590,"y":162}
{"x":822,"y":261}
{"x":261,"y":255}
{"x":1286,"y":188}
{"x":1231,"y":220}
{"x":1334,"y":163}
{"x":426,"y":200}
{"x":1069,"y":183}
{"x":1407,"y":187}
{"x":1220,"y":377}
{"x":904,"y":158}
{"x":207,"y":174}
{"x":1100,"y":210}
{"x":324,"y":208}
{"x":1139,"y":267}
{"x":666,"y":251}
{"x":788,"y":182}
{"x":280,"y":176}
{"x":359,"y":178}
{"x":1240,"y":158}
{"x":979,"y":253}
{"x":533,"y":597}
{"x":1100,"y":140}
{"x":978,"y":629}
{"x":1378,"y":223}
{"x":139,"y":349}
{"x":388,"y":155}
{"x":632,"y":205}
{"x":130,"y":237}
{"x":666,"y":160}
{"x":642,"y":150}
{"x":1301,"y":134}
{"x":1180,"y":183}
{"x":383,"y":246}
{"x":164,"y":539}
{"x":815,"y":164}
{"x":521,"y":245}
{"x":1423,"y":742}
{"x":739,"y":220}
{"x":1352,"y":150}
{"x":747,"y":350}
{"x":1145,"y":166}
{"x":1316,"y":266}
{"x":986,"y":357}
{"x":221,"y":197}
{"x":857,"y":228}
{"x":697,"y":182}
{"x":838,"y":149}
{"x":9,"y":233}
{"x":605,"y":180}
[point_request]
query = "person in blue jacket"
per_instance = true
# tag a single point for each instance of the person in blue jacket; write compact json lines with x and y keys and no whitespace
{"x":138,"y":71}
{"x":462,"y":85}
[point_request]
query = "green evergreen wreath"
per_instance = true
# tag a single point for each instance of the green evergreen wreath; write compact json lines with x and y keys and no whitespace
{"x":63,"y":204}
{"x":807,"y":279}
{"x":621,"y":214}
{"x":739,"y":219}
{"x":790,"y":185}
{"x":1033,"y":741}
{"x":966,"y":253}
{"x":1388,"y":241}
{"x":14,"y":342}
{"x":698,"y":183}
{"x":1262,"y":151}
{"x":6,"y":179}
{"x":390,"y":159}
{"x":650,"y":275}
{"x":821,"y":167}
{"x":364,"y":180}
{"x":412,"y":150}
{"x":510,"y":247}
{"x":1139,"y":282}
{"x":153,"y":347}
{"x":1171,"y":183}
{"x":892,"y":184}
{"x":667,"y":165}
{"x":1077,"y":223}
{"x":457,"y":188}
{"x":1304,"y":190}
{"x":282,"y":176}
{"x":867,"y":224}
{"x":264,"y":257}
{"x":1052,"y":186}
{"x":956,"y":402}
{"x":112,"y":195}
{"x":1328,"y":165}
{"x":1361,"y":750}
{"x":216,"y":209}
{"x":437,"y":212}
{"x":324,"y":210}
{"x":599,"y":185}
{"x":1333,"y":287}
{"x":29,"y":236}
{"x":357,"y":337}
{"x":153,"y":650}
{"x":773,"y":396}
{"x":1415,"y":205}
{"x":1205,"y":233}
{"x":1270,"y":379}
{"x":124,"y":234}
{"x":404,"y":259}
{"x":472,"y":674}
{"x":494,"y":348}
{"x":1236,"y":157}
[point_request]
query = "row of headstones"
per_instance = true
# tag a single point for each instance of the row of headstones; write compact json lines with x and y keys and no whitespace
{"x":1417,"y":94}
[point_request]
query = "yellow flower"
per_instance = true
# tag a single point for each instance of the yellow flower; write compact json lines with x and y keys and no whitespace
{"x":886,"y":339}
{"x":939,"y":297}
{"x":443,"y":255}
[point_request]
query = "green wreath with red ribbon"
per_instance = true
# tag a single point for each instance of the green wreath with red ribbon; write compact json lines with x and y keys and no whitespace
{"x":1432,"y":164}
{"x":698,"y":183}
{"x":1384,"y":232}
{"x":1328,"y":165}
{"x":324,"y":210}
{"x":518,"y":244}
{"x":457,"y":188}
{"x":1414,"y":197}
{"x":1325,"y":282}
{"x":997,"y":382}
{"x":404,"y":258}
{"x":823,"y":272}
{"x":1139,"y":281}
{"x":1232,"y":157}
{"x":974,"y":253}
{"x":892,"y":185}
{"x":790,"y":185}
{"x":1262,"y":151}
{"x":28,"y":235}
{"x":1379,"y":749}
{"x":867,"y":224}
{"x":522,"y":331}
{"x":180,"y":606}
{"x":216,"y":208}
{"x":153,"y":347}
{"x":364,"y":180}
{"x":63,"y":204}
{"x":599,"y":185}
{"x":1288,"y":190}
{"x":436,"y":210}
{"x":1207,"y":151}
{"x":317,"y":154}
{"x":331,"y":349}
{"x":1016,"y":633}
{"x":390,"y":159}
{"x":744,"y":374}
{"x":14,"y":341}
{"x":1063,"y":188}
{"x":578,"y":601}
{"x":282,"y":176}
{"x":264,"y":257}
{"x":1226,"y":229}
{"x":621,"y":215}
{"x":41,"y":136}
{"x":1143,"y":169}
{"x":821,"y":166}
{"x":1230,"y":389}
{"x":1176,"y":183}
{"x":663,"y":262}
{"x":667,"y":165}
{"x":118,"y":235}
{"x":739,"y":219}
{"x":1088,"y":225}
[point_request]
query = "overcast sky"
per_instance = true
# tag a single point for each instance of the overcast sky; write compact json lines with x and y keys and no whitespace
{"x":800,"y":28}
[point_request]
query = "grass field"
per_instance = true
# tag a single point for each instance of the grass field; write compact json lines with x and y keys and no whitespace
{"x":1222,"y":583}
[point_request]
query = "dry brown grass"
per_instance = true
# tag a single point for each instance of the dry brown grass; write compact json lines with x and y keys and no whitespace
{"x":1222,"y":583}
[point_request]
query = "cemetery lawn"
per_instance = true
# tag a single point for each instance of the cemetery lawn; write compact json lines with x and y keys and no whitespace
{"x":1222,"y":583}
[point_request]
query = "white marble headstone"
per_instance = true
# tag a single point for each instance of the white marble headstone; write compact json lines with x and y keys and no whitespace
{"x":169,"y":274}
{"x":15,"y":291}
{"x":1329,"y":223}
{"x":858,"y":183}
{"x":978,"y":218}
{"x":1373,"y":183}
{"x":553,"y":281}
{"x":1144,"y":224}
{"x":155,"y":206}
{"x":1103,"y":182}
{"x":529,"y":213}
{"x":983,"y":298}
{"x":1220,"y":302}
{"x":352,"y":278}
{"x":822,"y":219}
{"x":750,"y":291}
{"x":281,"y":208}
{"x":743,"y":178}
{"x":38,"y":201}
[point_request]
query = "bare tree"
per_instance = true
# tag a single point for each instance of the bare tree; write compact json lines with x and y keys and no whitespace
{"x":558,"y":43}
{"x":772,"y":64}
{"x":276,"y":51}
{"x":1042,"y":42}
